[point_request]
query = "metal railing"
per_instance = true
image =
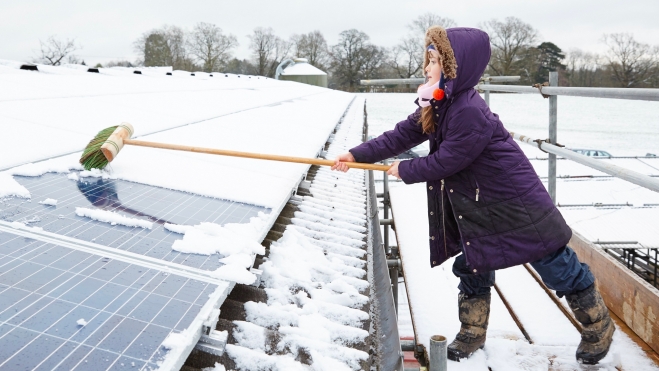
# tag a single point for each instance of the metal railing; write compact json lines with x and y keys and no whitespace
{"x":421,"y":80}
{"x":552,"y":91}
{"x":631,"y":176}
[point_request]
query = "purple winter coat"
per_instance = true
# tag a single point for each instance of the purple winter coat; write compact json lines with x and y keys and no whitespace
{"x":482,"y":189}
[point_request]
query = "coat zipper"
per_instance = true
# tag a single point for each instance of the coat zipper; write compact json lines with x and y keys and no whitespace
{"x":443,"y":220}
{"x":477,"y":192}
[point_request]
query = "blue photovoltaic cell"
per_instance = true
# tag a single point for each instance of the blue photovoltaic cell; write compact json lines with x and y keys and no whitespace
{"x":45,"y":289}
{"x":134,"y":200}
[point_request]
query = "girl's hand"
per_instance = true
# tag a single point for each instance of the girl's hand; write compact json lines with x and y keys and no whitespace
{"x":394,"y":170}
{"x":339,"y":162}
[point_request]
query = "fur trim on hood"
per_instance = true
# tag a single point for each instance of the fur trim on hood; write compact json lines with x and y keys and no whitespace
{"x":437,"y":36}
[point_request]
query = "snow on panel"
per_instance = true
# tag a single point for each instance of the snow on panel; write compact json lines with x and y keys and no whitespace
{"x":112,"y":218}
{"x":49,"y":202}
{"x":63,"y":108}
{"x":10,"y":187}
{"x":297,"y":128}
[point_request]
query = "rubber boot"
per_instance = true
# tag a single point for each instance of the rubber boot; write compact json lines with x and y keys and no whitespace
{"x":474,"y":314}
{"x":589,"y":309}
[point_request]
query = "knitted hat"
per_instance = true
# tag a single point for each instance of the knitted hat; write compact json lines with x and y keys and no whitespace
{"x":437,"y":37}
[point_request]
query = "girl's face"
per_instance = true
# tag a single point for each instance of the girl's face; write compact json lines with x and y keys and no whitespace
{"x":433,"y":69}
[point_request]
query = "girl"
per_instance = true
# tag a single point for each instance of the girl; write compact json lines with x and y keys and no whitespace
{"x":485,"y":201}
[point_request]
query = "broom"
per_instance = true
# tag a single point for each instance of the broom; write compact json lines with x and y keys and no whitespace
{"x":108,"y":142}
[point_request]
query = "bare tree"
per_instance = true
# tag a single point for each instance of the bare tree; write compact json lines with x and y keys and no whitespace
{"x":631,"y":63}
{"x":165,"y":46}
{"x":407,"y":57}
{"x":374,"y":58}
{"x":210,"y":46}
{"x":268,"y":50}
{"x":424,"y":21}
{"x":53,"y":51}
{"x":313,"y":47}
{"x":354,"y":57}
{"x":509,"y":40}
{"x":583,"y":68}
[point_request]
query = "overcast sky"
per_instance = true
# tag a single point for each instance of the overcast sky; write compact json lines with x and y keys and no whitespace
{"x":106,"y":29}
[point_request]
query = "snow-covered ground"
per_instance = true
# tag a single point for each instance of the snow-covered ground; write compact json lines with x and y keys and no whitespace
{"x":620,"y":127}
{"x":433,"y":297}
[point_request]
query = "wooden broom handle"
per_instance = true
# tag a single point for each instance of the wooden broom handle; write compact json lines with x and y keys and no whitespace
{"x":300,"y":160}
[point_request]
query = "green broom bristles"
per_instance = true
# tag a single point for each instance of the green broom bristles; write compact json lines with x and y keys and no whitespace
{"x":92,"y":157}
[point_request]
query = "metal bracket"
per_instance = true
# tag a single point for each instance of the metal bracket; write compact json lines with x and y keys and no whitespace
{"x":539,"y":87}
{"x":540,"y":141}
{"x":257,"y":273}
{"x":214,"y":343}
{"x":305,"y":184}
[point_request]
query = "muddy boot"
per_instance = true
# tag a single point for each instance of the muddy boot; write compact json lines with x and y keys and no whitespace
{"x":474,"y":315}
{"x":598,"y":328}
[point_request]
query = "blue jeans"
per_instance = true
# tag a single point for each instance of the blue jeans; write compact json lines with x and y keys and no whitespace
{"x":561,"y":271}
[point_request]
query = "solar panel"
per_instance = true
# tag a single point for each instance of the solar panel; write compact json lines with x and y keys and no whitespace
{"x":71,"y":299}
{"x":134,"y":200}
{"x":62,"y":308}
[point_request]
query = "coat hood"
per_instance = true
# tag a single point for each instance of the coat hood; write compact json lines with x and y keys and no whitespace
{"x":465,"y":53}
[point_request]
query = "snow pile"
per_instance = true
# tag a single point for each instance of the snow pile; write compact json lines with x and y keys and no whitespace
{"x":314,"y":276}
{"x":49,"y":202}
{"x":175,"y":341}
{"x":177,"y":228}
{"x":248,"y":359}
{"x":218,"y":367}
{"x":10,"y":187}
{"x":112,"y":218}
{"x":236,"y":242}
{"x":40,"y":168}
{"x":228,"y":239}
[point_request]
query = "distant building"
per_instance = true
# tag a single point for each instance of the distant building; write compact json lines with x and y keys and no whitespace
{"x":299,"y":69}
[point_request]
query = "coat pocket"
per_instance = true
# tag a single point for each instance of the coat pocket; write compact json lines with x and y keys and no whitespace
{"x":473,"y":182}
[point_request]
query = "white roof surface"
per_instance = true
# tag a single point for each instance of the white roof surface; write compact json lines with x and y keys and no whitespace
{"x":302,"y":68}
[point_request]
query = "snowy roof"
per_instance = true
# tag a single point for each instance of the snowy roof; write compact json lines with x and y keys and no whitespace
{"x":302,"y":68}
{"x":54,"y":112}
